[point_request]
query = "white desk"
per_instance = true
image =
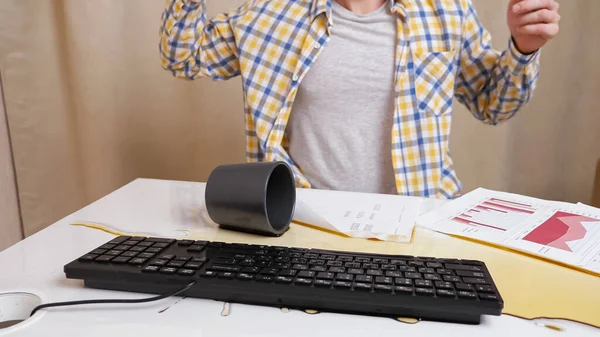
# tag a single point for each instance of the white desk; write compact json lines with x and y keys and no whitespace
{"x":35,"y":265}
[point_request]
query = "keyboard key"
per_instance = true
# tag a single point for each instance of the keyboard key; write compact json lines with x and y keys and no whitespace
{"x":122,"y":247}
{"x":424,"y":291}
{"x":198,"y":259}
{"x":200,"y":243}
{"x":104,"y":258}
{"x":370,"y":266}
{"x":137,"y":249}
{"x":384,"y":288}
{"x":300,"y":267}
{"x":403,"y":290}
{"x":398,"y":262}
{"x":364,"y":278}
{"x":432,"y":277}
{"x":303,"y":281}
{"x":300,"y":260}
{"x":264,"y":278}
{"x":186,"y":272}
{"x":381,"y":261}
{"x":119,"y":239}
{"x":488,"y":297}
{"x":167,"y":257}
{"x":130,"y":242}
{"x":374,"y":272}
{"x":416,"y":263}
{"x":176,"y":264}
{"x":424,"y":270}
{"x":153,"y":250}
{"x":469,"y":273}
{"x":325,"y":276}
{"x":306,"y":274}
{"x":137,"y":261}
{"x":246,"y":262}
{"x":355,"y":271}
{"x":403,"y":282}
{"x":334,"y":263}
{"x":342,"y":284}
{"x":412,"y":275}
{"x":287,"y":272}
{"x":145,"y":244}
{"x":352,"y":265}
{"x":269,"y":271}
{"x":129,"y":254}
{"x":215,"y":244}
{"x":185,"y":243}
{"x":452,"y":278}
{"x":464,"y":286}
{"x":423,"y":283}
{"x":474,"y":280}
{"x":344,"y":277}
{"x":442,"y":271}
{"x":225,"y":268}
{"x":283,"y":279}
{"x":467,"y":294}
{"x":484,"y":288}
{"x":262,"y":264}
{"x":393,"y":274}
{"x":327,"y":257}
{"x":168,"y":270}
{"x":472,"y":262}
{"x":226,"y":275}
{"x":98,"y":251}
{"x":107,"y":246}
{"x":224,"y":260}
{"x":161,"y":245}
{"x":145,"y":255}
{"x":159,"y":262}
{"x":136,"y":238}
{"x":250,"y":270}
{"x":245,"y":276}
{"x":443,"y":285}
{"x":113,"y":252}
{"x":318,"y":268}
{"x":362,"y":286}
{"x":363,"y":259}
{"x":87,"y":257}
{"x":195,"y":249}
{"x":446,"y":293}
{"x":208,"y":273}
{"x":323,"y":283}
{"x":434,"y":265}
{"x":120,"y":259}
{"x":387,"y":267}
{"x":192,"y":265}
{"x":311,"y":256}
{"x":383,"y":280}
{"x":344,"y":258}
{"x":336,"y":270}
{"x":407,"y":269}
{"x":462,"y":267}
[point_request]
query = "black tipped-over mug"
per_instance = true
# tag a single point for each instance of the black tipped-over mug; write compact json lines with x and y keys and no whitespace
{"x":255,"y":198}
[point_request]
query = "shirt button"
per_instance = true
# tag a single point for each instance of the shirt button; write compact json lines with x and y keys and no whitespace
{"x":295,"y":77}
{"x":317,"y":45}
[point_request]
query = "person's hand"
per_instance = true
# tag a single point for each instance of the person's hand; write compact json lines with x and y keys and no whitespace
{"x":532,"y":23}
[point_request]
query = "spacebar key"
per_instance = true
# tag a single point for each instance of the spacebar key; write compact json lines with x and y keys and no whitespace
{"x":224,"y":268}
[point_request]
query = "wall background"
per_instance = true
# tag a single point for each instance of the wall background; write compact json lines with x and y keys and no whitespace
{"x":90,"y":109}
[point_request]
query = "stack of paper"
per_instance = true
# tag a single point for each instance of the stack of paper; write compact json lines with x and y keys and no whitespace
{"x":359,"y":215}
{"x":558,"y":231}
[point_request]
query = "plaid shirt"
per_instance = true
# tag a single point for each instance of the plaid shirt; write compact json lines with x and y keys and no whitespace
{"x":443,"y":52}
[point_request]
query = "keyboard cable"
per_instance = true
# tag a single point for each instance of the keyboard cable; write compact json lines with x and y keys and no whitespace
{"x":112,"y":301}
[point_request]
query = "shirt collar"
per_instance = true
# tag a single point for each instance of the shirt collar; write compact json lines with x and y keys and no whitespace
{"x":324,"y":7}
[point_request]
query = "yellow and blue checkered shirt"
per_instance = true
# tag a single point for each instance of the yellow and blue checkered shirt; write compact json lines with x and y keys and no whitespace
{"x":443,"y":52}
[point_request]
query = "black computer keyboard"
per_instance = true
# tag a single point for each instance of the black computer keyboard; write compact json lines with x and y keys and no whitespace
{"x":330,"y":281}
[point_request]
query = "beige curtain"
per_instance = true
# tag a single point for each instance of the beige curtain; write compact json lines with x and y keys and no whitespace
{"x":90,"y":109}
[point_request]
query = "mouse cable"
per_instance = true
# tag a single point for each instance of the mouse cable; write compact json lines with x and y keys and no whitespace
{"x":112,"y":301}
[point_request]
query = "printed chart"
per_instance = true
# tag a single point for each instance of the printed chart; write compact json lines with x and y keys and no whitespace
{"x":495,"y":214}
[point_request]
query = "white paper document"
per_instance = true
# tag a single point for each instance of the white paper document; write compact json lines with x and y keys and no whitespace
{"x":558,"y":231}
{"x":359,"y":215}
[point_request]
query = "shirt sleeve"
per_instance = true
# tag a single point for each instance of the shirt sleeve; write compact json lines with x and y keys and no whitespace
{"x":193,"y":47}
{"x":493,"y":85}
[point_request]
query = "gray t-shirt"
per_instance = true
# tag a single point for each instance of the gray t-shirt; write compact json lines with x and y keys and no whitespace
{"x":340,"y":127}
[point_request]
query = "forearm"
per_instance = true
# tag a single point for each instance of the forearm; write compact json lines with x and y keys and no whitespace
{"x":192,"y":46}
{"x":504,"y":85}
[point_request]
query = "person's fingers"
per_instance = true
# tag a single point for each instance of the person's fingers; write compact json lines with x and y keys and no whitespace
{"x":539,"y":16}
{"x":525,"y":6}
{"x":545,"y":30}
